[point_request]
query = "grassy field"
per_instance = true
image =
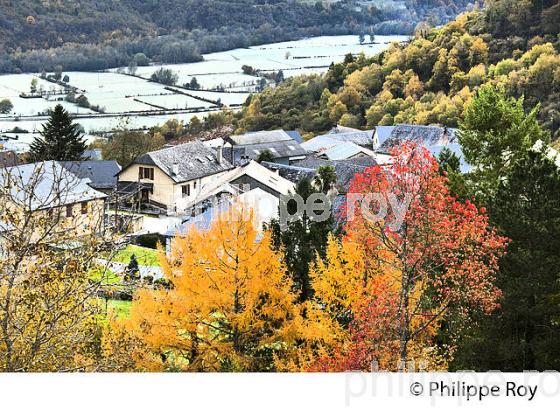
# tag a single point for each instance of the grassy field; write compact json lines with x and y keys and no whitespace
{"x":105,"y":276}
{"x":121,"y":308}
{"x":144,"y":256}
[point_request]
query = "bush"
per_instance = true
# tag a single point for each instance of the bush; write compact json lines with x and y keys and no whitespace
{"x":150,"y":240}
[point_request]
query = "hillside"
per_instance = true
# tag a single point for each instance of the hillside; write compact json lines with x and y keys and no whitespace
{"x":510,"y":44}
{"x":92,"y":34}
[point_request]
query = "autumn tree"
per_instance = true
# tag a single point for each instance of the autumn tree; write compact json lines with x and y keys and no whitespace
{"x":48,"y":302}
{"x":127,"y":145}
{"x":443,"y":253}
{"x":231,"y":306}
{"x":355,"y":303}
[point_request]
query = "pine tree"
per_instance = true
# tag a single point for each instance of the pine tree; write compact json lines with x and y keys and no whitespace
{"x":524,"y":333}
{"x":304,"y":238}
{"x":133,"y":270}
{"x":61,"y":139}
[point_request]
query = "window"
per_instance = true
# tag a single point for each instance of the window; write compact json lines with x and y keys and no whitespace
{"x":68,"y":211}
{"x":194,"y":185}
{"x":186,"y":189}
{"x":84,"y":208}
{"x":146,"y":173}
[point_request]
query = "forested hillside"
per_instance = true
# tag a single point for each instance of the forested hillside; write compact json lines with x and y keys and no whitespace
{"x":93,"y":34}
{"x":431,"y":79}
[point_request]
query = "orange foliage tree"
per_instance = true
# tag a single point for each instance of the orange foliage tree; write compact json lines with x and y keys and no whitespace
{"x":358,"y":305}
{"x":231,"y":306}
{"x":433,"y":260}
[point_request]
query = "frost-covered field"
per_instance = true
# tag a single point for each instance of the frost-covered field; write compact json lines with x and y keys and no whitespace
{"x":126,"y":99}
{"x":307,"y":56}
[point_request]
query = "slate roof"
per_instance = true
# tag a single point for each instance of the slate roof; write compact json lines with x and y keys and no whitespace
{"x":253,"y":170}
{"x":320,"y":143}
{"x":345,"y":170}
{"x":360,"y":137}
{"x":383,"y":133}
{"x":260,"y":137}
{"x":290,"y":172}
{"x":102,"y":174}
{"x":419,"y":134}
{"x":53,"y":185}
{"x":279,"y":149}
{"x":193,"y":159}
{"x":326,"y":141}
{"x":296,"y":136}
{"x":345,"y":150}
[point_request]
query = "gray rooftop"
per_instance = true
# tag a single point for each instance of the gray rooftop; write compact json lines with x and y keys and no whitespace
{"x":260,"y":137}
{"x":345,"y":169}
{"x":46,"y":185}
{"x":326,"y":141}
{"x":93,"y":154}
{"x":102,"y":174}
{"x":290,"y":172}
{"x":419,"y":134}
{"x":383,"y":133}
{"x":360,"y":137}
{"x":279,"y":149}
{"x":296,"y":136}
{"x":345,"y":150}
{"x":194,"y":160}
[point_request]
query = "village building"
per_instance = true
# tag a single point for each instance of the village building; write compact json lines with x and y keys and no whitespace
{"x":433,"y":138}
{"x":283,"y":147}
{"x":341,"y":143}
{"x":169,"y":179}
{"x":102,"y":175}
{"x":54,"y":195}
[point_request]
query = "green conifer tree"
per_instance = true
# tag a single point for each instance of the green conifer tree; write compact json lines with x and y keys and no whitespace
{"x":60,"y":140}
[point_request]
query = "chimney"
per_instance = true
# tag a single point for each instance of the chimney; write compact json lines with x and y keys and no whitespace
{"x":219,"y":154}
{"x":175,"y":168}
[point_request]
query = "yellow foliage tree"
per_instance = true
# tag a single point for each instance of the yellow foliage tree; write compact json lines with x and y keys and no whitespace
{"x":231,"y":306}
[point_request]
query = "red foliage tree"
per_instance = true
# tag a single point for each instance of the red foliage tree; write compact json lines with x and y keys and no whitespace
{"x":441,"y":254}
